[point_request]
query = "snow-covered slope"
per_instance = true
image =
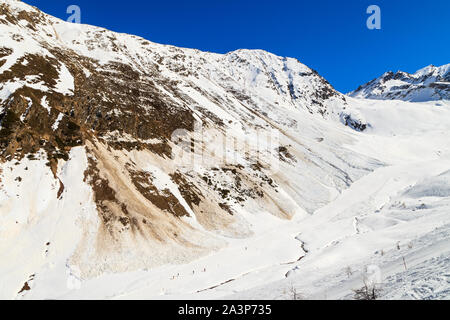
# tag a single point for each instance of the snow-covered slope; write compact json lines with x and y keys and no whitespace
{"x":428,"y":84}
{"x":130,"y":169}
{"x":394,"y":221}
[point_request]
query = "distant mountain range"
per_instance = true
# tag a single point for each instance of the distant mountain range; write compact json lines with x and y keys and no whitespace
{"x":428,"y":84}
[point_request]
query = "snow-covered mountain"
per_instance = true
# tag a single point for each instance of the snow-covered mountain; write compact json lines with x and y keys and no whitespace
{"x":428,"y":84}
{"x":134,"y":169}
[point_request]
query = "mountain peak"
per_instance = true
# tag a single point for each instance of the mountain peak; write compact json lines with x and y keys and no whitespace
{"x":116,"y":102}
{"x":427,"y":84}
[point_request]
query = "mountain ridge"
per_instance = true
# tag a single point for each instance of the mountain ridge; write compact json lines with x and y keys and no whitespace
{"x":430,"y":83}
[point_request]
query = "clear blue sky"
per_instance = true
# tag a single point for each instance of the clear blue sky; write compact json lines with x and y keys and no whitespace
{"x":328,"y":35}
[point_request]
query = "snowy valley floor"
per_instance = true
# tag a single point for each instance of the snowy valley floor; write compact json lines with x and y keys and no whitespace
{"x":396,"y":218}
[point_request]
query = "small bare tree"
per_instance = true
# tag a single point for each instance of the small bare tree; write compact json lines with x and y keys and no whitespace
{"x":367,"y":292}
{"x":294,"y":294}
{"x":371,"y":279}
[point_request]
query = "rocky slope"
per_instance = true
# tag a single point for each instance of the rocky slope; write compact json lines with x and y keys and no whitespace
{"x":120,"y":154}
{"x":428,"y":84}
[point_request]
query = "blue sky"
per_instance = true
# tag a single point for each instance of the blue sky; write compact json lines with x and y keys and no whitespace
{"x":328,"y":35}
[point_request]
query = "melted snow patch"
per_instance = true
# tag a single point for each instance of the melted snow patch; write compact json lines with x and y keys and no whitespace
{"x":44,"y":104}
{"x":10,"y":87}
{"x":65,"y":83}
{"x":58,"y":120}
{"x":7,"y":89}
